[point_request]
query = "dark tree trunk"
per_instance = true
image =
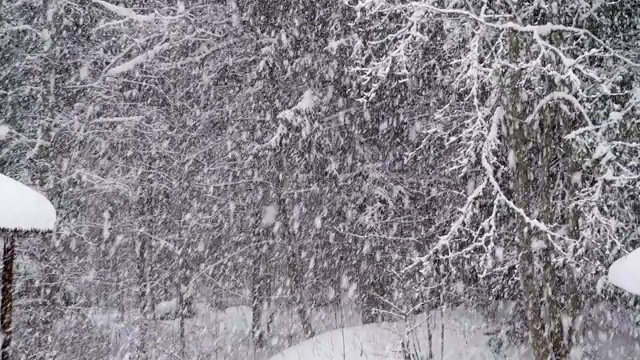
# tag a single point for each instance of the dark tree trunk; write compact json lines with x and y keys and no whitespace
{"x":185,"y":306}
{"x":7,"y":294}
{"x":143,"y":297}
{"x":296,"y":276}
{"x":259,"y":291}
{"x":371,"y":285}
{"x":183,"y":344}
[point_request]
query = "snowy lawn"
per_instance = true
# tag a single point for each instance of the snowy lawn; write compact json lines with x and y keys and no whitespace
{"x":225,"y":334}
{"x":463,"y":339}
{"x":372,"y":341}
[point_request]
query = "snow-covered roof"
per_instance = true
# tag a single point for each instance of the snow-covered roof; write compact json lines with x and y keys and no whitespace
{"x":625,"y":272}
{"x":22,"y":208}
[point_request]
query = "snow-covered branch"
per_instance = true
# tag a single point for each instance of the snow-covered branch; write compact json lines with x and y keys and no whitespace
{"x":124,"y":12}
{"x":139,"y":60}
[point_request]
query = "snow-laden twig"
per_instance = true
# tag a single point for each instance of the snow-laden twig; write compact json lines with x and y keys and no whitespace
{"x":455,"y":227}
{"x":538,"y":30}
{"x":614,"y":118}
{"x":492,"y":138}
{"x":559,"y":95}
{"x":118,"y":119}
{"x":535,"y":30}
{"x":275,"y":140}
{"x":138,"y":60}
{"x":125,"y":12}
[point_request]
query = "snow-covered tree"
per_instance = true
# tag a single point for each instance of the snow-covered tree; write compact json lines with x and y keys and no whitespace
{"x":318,"y":164}
{"x":537,"y":97}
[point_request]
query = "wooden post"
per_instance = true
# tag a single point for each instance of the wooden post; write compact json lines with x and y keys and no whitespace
{"x":7,"y":294}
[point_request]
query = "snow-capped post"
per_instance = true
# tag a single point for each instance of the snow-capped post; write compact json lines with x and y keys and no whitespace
{"x":22,"y":210}
{"x":625,"y":273}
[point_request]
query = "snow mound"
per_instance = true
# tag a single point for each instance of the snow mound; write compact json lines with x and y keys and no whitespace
{"x":625,"y":273}
{"x":463,"y":340}
{"x":167,"y":308}
{"x":269,"y":215}
{"x":372,"y":342}
{"x":22,"y":208}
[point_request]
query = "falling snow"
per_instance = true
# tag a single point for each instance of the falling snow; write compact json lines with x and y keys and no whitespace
{"x":361,"y":179}
{"x":4,"y":131}
{"x":269,"y":215}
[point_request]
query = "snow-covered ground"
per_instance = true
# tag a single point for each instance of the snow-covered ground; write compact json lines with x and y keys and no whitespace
{"x":372,"y":341}
{"x":462,"y":338}
{"x":225,"y":334}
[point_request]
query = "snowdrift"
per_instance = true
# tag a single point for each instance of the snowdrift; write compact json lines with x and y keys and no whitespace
{"x":625,"y":273}
{"x":463,"y":340}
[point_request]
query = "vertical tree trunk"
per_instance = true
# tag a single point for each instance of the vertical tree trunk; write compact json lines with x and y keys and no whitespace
{"x":185,"y":305}
{"x":143,"y":298}
{"x":260,"y":283}
{"x":45,"y":159}
{"x":258,"y":301}
{"x":289,"y":233}
{"x":429,"y":332}
{"x":370,"y":282}
{"x":295,"y":273}
{"x":569,"y":281}
{"x":522,"y":188}
{"x":526,"y":264}
{"x":7,"y":294}
{"x":181,"y":334}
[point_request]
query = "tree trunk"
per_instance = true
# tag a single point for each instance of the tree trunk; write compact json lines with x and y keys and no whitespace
{"x":143,"y":298}
{"x":181,"y":335}
{"x":258,"y":293}
{"x":370,"y":282}
{"x":526,"y":266}
{"x":295,"y":272}
{"x":7,"y":294}
{"x":542,"y":179}
{"x":185,"y":305}
{"x":522,"y":189}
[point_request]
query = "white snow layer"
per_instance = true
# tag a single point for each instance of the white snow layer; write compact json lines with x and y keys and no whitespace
{"x":306,"y":103}
{"x":166,"y":308}
{"x":362,"y":342}
{"x":22,"y":208}
{"x":463,"y":340}
{"x":625,"y":272}
{"x":138,"y":60}
{"x":225,"y":334}
{"x":269,"y":214}
{"x":4,"y":130}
